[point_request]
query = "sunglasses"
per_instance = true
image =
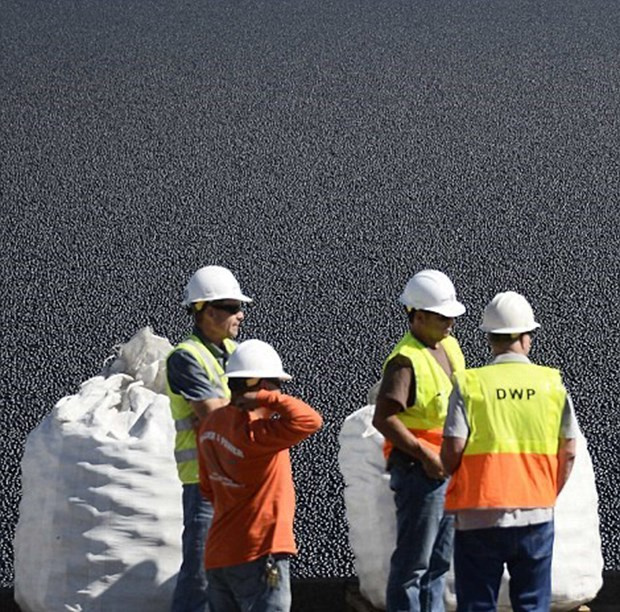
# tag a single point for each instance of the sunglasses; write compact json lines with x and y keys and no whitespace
{"x":230,"y":308}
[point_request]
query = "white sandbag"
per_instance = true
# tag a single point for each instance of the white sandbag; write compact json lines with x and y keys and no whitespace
{"x":369,"y":503}
{"x":101,"y":515}
{"x":577,"y":558}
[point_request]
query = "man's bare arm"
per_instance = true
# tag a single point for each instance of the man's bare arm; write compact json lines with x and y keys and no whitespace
{"x":392,"y":428}
{"x":203,"y":408}
{"x":451,"y":453}
{"x":566,"y":459}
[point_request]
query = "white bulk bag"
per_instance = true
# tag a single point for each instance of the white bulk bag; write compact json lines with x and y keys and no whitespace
{"x":100,"y":517}
{"x":577,"y":558}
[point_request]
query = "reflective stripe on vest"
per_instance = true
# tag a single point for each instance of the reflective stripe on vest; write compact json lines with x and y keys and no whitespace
{"x":426,"y":417}
{"x":184,"y":424}
{"x":514,"y":412}
{"x":185,"y":455}
{"x":185,"y":452}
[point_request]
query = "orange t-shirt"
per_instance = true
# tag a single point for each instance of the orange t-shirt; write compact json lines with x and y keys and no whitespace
{"x":245,"y":470}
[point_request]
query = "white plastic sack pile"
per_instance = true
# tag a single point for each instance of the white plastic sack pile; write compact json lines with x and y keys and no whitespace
{"x":577,"y":558}
{"x":101,"y":515}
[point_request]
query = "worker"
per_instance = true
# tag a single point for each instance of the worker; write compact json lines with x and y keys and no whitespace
{"x":509,"y":439}
{"x":245,"y":470}
{"x":411,"y":406}
{"x":196,"y":386}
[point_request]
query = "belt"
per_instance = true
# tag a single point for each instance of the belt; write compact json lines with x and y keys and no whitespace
{"x":401,"y":459}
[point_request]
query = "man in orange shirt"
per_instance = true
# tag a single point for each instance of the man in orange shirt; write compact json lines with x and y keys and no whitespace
{"x":245,"y":470}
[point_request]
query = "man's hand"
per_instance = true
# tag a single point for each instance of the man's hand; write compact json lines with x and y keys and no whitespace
{"x":432,"y":464}
{"x":386,"y":421}
{"x":247,"y":401}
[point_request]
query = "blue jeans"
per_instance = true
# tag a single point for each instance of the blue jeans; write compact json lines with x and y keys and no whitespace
{"x":241,"y":588}
{"x":190,"y":593}
{"x":424,"y":542}
{"x":479,"y":558}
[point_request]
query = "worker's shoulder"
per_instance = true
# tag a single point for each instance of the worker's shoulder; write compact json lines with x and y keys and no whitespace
{"x":497,"y":368}
{"x":405,"y":348}
{"x":181,"y":355}
{"x":398,"y":361}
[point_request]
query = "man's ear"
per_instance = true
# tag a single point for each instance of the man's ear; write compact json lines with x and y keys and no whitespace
{"x":199,"y":315}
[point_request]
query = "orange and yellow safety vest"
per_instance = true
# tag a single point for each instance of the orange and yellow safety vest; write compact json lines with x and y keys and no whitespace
{"x":426,"y":417}
{"x":514,"y":412}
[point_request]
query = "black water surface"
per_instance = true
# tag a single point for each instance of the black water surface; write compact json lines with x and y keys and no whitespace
{"x":324,"y":151}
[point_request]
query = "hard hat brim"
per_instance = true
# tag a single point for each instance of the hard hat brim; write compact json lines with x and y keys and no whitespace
{"x":451,"y":310}
{"x":455,"y":309}
{"x":229,"y":296}
{"x":241,"y":298}
{"x":224,"y":296}
{"x":510,"y":330}
{"x":258,"y":374}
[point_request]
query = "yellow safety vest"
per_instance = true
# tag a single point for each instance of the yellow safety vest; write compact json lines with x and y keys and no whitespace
{"x":514,"y":411}
{"x":185,"y":451}
{"x":426,"y":417}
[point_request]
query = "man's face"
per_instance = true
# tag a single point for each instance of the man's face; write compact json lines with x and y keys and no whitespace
{"x":436,"y":327}
{"x":225,"y":317}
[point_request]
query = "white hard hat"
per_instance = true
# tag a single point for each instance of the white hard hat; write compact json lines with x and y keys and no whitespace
{"x":213,"y":283}
{"x":508,"y":313}
{"x":432,"y":290}
{"x":255,"y":359}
